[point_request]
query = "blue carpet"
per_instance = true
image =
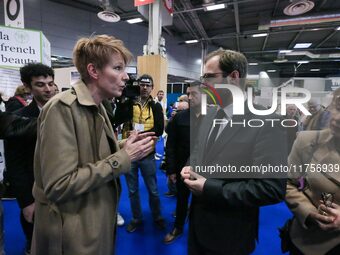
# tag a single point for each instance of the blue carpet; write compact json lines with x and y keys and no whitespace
{"x":148,"y":239}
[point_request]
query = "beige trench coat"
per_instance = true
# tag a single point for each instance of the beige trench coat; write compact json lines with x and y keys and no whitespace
{"x":312,"y":241}
{"x":76,"y":187}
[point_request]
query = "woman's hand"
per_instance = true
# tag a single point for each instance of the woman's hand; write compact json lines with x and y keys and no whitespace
{"x":329,"y":220}
{"x":139,"y":146}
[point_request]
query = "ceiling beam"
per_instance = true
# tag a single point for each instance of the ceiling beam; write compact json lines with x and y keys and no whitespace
{"x":321,"y":5}
{"x":237,"y":24}
{"x":265,"y":42}
{"x":275,"y":8}
{"x":186,"y":25}
{"x":195,"y":20}
{"x":292,"y":42}
{"x":326,"y":38}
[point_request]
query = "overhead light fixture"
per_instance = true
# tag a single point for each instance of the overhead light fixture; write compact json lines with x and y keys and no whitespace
{"x":338,"y":28}
{"x":302,"y":45}
{"x":191,"y":41}
{"x":285,"y":51}
{"x":214,"y":7}
{"x":253,"y":64}
{"x":315,"y":70}
{"x":260,"y":35}
{"x":271,"y":71}
{"x":108,"y":16}
{"x":303,"y":62}
{"x":133,"y":21}
{"x":199,"y":61}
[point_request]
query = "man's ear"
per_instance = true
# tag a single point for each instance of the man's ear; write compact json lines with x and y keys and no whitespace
{"x":92,"y":71}
{"x":234,"y":77}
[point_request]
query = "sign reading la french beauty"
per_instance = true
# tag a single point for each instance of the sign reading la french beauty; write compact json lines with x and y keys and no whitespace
{"x":19,"y":46}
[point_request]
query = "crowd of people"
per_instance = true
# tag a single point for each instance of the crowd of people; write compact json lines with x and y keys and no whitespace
{"x":65,"y":153}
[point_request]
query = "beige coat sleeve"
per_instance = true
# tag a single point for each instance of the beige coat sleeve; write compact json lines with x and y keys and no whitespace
{"x":63,"y":176}
{"x":297,"y":201}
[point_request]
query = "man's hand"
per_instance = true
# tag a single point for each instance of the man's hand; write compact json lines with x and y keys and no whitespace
{"x":28,"y":213}
{"x":194,"y":181}
{"x":138,"y":146}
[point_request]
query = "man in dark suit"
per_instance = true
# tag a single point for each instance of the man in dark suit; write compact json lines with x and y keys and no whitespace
{"x":177,"y":153}
{"x":19,"y":152}
{"x":225,"y":207}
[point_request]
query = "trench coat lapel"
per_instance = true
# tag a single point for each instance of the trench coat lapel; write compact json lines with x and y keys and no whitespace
{"x":327,"y":154}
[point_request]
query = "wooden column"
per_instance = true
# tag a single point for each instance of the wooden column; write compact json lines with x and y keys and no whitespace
{"x":157,"y":67}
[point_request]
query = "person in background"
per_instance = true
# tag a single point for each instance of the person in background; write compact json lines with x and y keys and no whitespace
{"x":178,"y":151}
{"x":292,"y":114}
{"x":314,"y":196}
{"x":2,"y":104}
{"x":78,"y":159}
{"x":56,"y":89}
{"x":320,"y":117}
{"x":38,"y":79}
{"x":162,"y":101}
{"x":146,"y":115}
{"x":19,"y":100}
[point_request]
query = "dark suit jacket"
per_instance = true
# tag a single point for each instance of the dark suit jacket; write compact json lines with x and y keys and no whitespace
{"x":19,"y":155}
{"x":224,"y":218}
{"x":16,"y":126}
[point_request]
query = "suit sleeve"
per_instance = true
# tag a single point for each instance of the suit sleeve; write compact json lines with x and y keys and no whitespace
{"x":13,"y":126}
{"x":297,"y":201}
{"x":170,"y":147}
{"x":158,"y":127}
{"x":63,"y":178}
{"x":269,"y":148}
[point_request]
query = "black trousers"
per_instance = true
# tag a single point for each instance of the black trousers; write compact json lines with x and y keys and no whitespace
{"x":183,"y":194}
{"x":27,"y":227}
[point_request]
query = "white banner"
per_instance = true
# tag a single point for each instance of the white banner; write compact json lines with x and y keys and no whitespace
{"x":19,"y":46}
{"x":14,"y":13}
{"x":46,"y":51}
{"x":9,"y":81}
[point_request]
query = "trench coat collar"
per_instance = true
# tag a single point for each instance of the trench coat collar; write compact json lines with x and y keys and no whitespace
{"x":83,"y":94}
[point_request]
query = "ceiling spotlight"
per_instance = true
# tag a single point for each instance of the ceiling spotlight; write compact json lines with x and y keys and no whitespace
{"x":315,"y":70}
{"x":302,"y":45}
{"x":285,"y":51}
{"x":338,"y":28}
{"x":303,"y":62}
{"x":260,"y":35}
{"x":214,"y":7}
{"x":191,"y":41}
{"x":271,"y":71}
{"x":253,"y":64}
{"x":133,"y":21}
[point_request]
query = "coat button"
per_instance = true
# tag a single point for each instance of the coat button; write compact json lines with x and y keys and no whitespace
{"x":114,"y":163}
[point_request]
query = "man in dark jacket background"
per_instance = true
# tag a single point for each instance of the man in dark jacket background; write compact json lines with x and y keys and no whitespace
{"x":19,"y":151}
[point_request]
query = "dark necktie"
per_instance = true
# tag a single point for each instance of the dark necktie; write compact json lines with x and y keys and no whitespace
{"x":213,"y":134}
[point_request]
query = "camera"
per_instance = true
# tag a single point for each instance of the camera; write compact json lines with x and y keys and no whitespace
{"x":131,"y":89}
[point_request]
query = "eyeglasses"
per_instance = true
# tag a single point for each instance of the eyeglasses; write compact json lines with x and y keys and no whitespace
{"x":145,"y":85}
{"x":212,"y":75}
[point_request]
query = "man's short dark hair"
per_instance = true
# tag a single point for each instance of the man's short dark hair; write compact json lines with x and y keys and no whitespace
{"x":230,"y":61}
{"x":160,"y":91}
{"x":145,"y":79}
{"x":34,"y":70}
